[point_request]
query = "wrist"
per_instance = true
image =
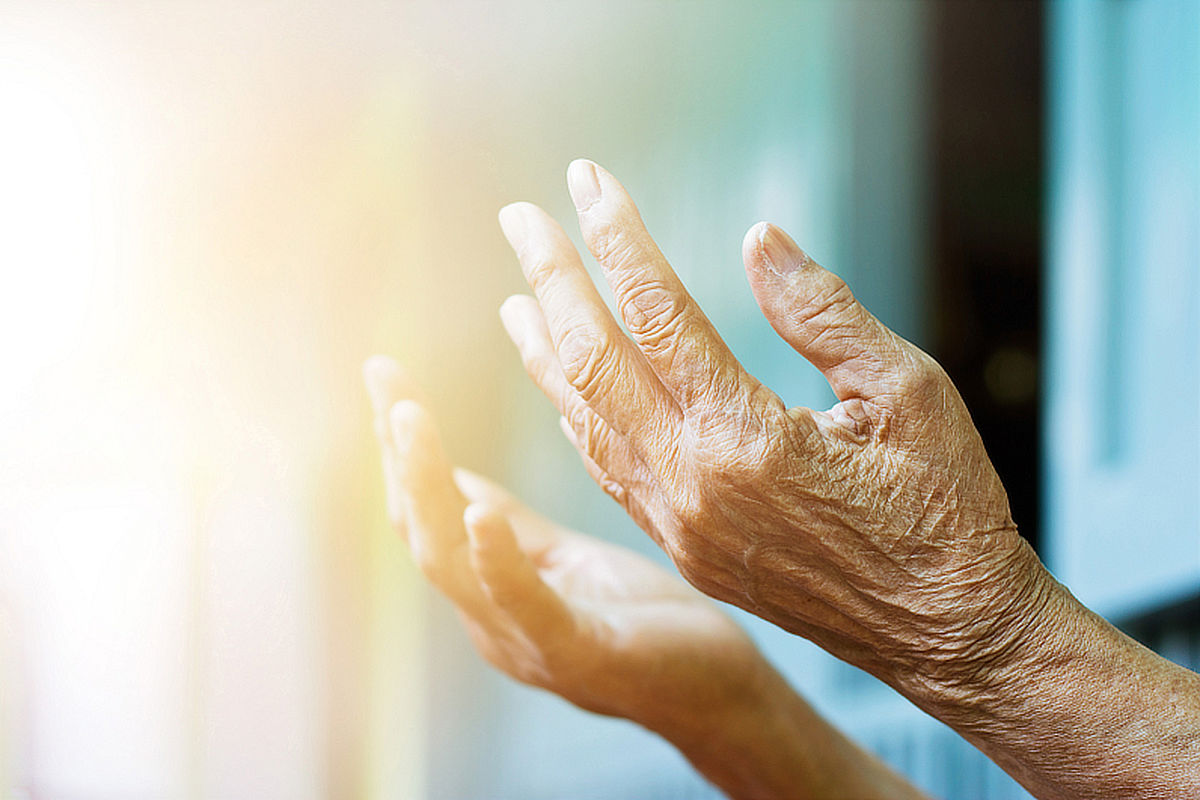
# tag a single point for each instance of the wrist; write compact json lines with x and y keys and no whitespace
{"x":719,"y":717}
{"x":1006,"y":613}
{"x":742,"y":742}
{"x":1070,"y":706}
{"x":769,"y":744}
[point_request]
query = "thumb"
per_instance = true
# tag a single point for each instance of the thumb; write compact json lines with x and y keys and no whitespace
{"x":814,"y":311}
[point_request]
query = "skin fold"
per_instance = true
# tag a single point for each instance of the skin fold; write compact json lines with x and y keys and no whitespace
{"x":878,"y":529}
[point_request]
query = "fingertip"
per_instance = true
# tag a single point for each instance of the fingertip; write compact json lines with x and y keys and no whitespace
{"x":407,"y":420}
{"x":583,"y":183}
{"x":474,"y":516}
{"x":378,"y":366}
{"x":517,"y":303}
{"x":509,"y":210}
{"x":385,"y":380}
{"x":767,"y":249}
{"x":513,"y":220}
{"x":755,"y":233}
{"x":489,"y":534}
{"x":602,"y":175}
{"x":468,"y":483}
{"x":581,"y":163}
{"x":512,"y":312}
{"x":478,"y":489}
{"x":510,"y":304}
{"x":482,"y":517}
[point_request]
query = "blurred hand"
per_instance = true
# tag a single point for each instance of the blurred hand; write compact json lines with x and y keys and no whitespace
{"x":878,"y":529}
{"x":597,"y":624}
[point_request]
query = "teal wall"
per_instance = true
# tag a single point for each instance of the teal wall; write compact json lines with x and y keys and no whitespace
{"x":1122,"y":444}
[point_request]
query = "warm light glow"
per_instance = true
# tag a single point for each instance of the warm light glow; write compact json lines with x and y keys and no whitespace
{"x":55,"y":184}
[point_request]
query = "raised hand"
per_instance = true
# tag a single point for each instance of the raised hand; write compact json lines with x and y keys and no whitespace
{"x":878,"y":529}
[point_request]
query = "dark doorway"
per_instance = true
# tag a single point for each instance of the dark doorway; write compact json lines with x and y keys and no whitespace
{"x":986,"y":138}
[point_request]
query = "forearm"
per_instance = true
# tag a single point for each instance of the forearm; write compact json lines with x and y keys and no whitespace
{"x":1081,"y":710}
{"x":778,"y":748}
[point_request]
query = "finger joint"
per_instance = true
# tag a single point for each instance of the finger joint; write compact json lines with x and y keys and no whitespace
{"x":653,"y":311}
{"x":589,"y":362}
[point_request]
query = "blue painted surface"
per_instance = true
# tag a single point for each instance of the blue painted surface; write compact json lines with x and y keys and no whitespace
{"x":1122,"y":444}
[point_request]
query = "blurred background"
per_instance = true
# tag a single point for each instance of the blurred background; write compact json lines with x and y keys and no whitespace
{"x":212,"y":212}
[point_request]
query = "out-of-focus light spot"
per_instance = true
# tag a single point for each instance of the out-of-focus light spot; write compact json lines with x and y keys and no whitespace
{"x":1011,"y":375}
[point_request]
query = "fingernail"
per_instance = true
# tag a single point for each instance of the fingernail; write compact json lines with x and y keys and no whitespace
{"x":583,"y":184}
{"x":512,"y":222}
{"x":510,"y":316}
{"x":782,"y":254}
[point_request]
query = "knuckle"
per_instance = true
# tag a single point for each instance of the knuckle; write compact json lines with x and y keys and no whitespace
{"x":923,"y":377}
{"x":694,"y":508}
{"x":682,"y":555}
{"x":689,"y":570}
{"x":694,"y":569}
{"x":589,"y":362}
{"x":539,"y":266}
{"x":652,"y":311}
{"x":588,"y":431}
{"x":747,"y":467}
{"x":739,"y":455}
{"x":614,"y":490}
{"x":579,"y":420}
{"x":703,"y":582}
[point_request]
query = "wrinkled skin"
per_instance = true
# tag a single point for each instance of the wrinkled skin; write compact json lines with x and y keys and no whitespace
{"x":592,"y":622}
{"x":878,"y":529}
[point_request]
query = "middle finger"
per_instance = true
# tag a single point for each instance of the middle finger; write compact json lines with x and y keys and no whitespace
{"x":598,"y":360}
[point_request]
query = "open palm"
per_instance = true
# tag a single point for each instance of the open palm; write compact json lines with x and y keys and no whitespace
{"x":597,"y":624}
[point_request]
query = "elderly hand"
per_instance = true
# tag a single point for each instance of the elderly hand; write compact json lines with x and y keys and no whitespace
{"x":878,"y":529}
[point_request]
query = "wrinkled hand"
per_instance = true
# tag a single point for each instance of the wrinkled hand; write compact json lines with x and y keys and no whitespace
{"x":878,"y":529}
{"x":597,"y":624}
